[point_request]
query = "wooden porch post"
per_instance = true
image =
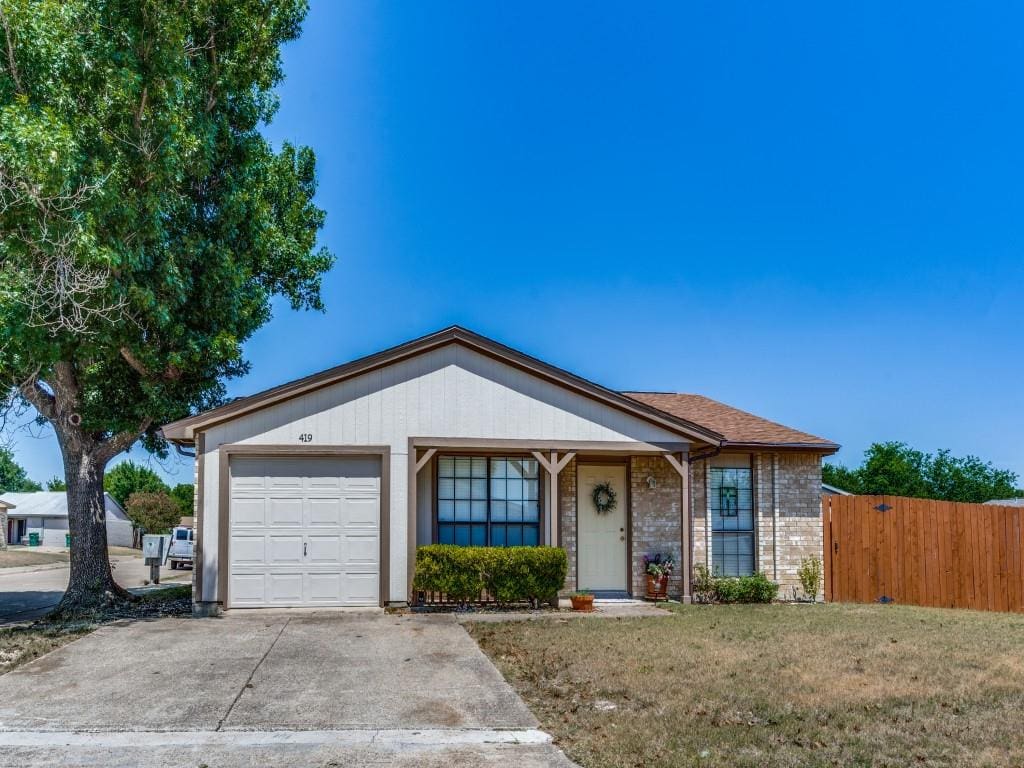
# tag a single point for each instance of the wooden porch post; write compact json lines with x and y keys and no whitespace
{"x":682,"y":467}
{"x":553,"y":465}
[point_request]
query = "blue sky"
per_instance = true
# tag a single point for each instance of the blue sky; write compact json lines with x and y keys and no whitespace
{"x":810,"y":211}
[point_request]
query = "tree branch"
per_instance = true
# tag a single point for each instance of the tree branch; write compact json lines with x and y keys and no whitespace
{"x":122,"y":441}
{"x":10,"y":53}
{"x":40,"y":399}
{"x":135,"y":363}
{"x":171,"y":373}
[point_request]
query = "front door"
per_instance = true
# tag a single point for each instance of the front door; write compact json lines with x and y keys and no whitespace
{"x":601,"y":548}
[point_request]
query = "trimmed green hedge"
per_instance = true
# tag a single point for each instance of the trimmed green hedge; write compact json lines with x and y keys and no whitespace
{"x":509,"y":574}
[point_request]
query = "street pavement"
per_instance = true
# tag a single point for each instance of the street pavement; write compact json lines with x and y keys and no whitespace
{"x":28,"y":592}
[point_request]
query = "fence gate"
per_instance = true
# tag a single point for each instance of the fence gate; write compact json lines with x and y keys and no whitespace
{"x":923,"y":552}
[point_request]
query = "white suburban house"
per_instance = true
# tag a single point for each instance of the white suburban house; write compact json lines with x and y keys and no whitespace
{"x":317,"y":492}
{"x":46,"y":514}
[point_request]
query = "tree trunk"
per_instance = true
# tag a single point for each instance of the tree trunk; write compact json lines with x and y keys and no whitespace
{"x":92,"y":584}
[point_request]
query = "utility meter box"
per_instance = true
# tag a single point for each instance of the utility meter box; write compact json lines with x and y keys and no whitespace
{"x":153,"y":548}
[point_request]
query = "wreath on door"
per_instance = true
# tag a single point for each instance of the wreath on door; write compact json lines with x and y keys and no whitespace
{"x":604,"y":497}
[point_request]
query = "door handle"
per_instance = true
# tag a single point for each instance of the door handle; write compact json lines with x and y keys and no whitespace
{"x":304,"y":545}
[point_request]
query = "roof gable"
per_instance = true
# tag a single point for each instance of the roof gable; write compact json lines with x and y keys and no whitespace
{"x":184,"y":430}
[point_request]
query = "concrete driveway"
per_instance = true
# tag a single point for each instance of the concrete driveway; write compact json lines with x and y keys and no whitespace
{"x":31,"y":591}
{"x":290,"y":689}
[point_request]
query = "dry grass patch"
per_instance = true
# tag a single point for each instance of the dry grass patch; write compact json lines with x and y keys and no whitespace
{"x":14,"y":558}
{"x":21,"y":644}
{"x":773,"y":685}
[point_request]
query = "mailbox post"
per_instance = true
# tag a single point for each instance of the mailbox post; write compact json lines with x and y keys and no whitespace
{"x":154,"y":551}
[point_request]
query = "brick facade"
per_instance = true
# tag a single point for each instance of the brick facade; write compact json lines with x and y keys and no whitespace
{"x":787,"y":493}
{"x":3,"y":528}
{"x":656,"y":522}
{"x":567,"y":520}
{"x":800,"y":530}
{"x":787,"y":513}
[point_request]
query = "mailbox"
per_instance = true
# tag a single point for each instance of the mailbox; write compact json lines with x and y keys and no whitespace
{"x":153,"y":547}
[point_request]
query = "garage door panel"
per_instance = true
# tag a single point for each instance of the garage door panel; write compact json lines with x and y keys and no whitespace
{"x":325,"y":550}
{"x":285,"y":511}
{"x":304,"y":531}
{"x":248,"y":512}
{"x":284,"y":549}
{"x":324,"y":483}
{"x":284,"y":588}
{"x":248,"y":550}
{"x":361,"y":589}
{"x":325,"y":587}
{"x":362,"y":551}
{"x":325,"y":512}
{"x":248,"y":589}
{"x":361,"y":512}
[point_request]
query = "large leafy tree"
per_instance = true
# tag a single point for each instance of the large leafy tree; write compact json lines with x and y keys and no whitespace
{"x":13,"y":477}
{"x":153,"y":512}
{"x":145,"y":223}
{"x":896,"y":469}
{"x":185,"y":496}
{"x":128,"y":477}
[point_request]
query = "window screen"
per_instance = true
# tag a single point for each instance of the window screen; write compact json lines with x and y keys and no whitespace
{"x":488,"y":501}
{"x":732,"y":522}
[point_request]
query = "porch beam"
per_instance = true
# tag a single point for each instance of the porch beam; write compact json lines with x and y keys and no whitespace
{"x":676,"y":465}
{"x":542,"y":461}
{"x":596,"y":447}
{"x":564,"y":461}
{"x":423,"y":460}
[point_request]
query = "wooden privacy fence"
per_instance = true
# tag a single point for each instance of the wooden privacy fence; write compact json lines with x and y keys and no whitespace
{"x":923,"y":552}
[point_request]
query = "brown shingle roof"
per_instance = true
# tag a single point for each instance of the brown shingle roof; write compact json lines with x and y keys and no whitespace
{"x":738,"y":427}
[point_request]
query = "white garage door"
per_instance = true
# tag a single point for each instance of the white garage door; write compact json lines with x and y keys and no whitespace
{"x":304,"y":531}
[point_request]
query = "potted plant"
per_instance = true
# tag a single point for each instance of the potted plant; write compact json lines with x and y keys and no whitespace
{"x":658,"y":568}
{"x":582,"y":601}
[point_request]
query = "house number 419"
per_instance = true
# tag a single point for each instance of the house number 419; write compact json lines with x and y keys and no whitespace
{"x":306,"y":437}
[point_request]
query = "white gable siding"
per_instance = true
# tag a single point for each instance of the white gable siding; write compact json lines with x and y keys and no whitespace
{"x":448,"y":392}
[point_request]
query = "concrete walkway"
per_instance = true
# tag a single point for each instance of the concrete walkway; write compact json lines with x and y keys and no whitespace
{"x":296,"y":689}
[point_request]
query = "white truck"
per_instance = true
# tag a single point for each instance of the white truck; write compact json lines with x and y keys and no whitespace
{"x":182,"y":544}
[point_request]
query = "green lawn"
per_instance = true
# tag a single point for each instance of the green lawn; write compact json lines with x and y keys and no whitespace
{"x":774,"y":685}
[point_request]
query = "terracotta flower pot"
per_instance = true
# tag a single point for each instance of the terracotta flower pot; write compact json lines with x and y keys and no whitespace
{"x":657,"y":587}
{"x":582,"y":603}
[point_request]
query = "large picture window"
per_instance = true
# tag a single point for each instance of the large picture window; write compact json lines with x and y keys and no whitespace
{"x":732,"y":522}
{"x":488,"y":501}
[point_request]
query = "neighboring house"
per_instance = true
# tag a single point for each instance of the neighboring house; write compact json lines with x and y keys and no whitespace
{"x":831,"y":489}
{"x":4,"y":507}
{"x":46,"y":513}
{"x":317,"y":492}
{"x":1007,"y":502}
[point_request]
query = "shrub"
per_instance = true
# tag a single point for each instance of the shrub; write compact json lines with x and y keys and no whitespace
{"x":809,"y":574}
{"x":509,"y":574}
{"x":703,"y":587}
{"x":730,"y":589}
{"x":745,"y":589}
